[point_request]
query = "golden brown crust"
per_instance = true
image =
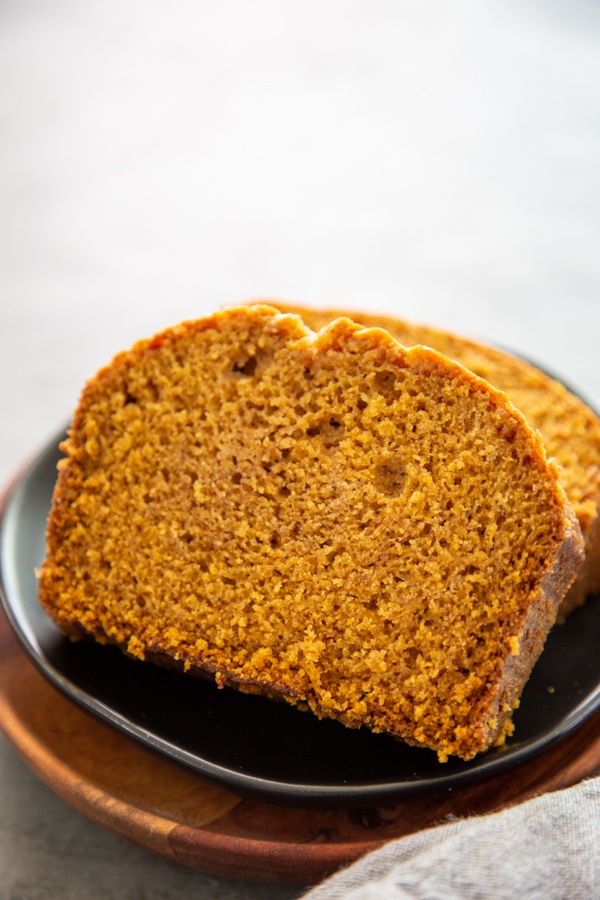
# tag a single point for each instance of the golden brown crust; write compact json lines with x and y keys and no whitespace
{"x":360,"y":528}
{"x":570,"y":429}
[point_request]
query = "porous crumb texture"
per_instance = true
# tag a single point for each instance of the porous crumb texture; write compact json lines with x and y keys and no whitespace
{"x":570,"y":429}
{"x":364,"y":530}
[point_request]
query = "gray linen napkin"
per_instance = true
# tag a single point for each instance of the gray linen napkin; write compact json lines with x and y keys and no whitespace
{"x":545,"y":849}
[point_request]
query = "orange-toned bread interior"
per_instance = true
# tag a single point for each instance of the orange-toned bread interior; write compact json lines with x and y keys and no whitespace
{"x":365,"y":530}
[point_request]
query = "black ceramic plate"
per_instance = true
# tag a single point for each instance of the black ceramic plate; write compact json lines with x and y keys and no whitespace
{"x":254,"y":746}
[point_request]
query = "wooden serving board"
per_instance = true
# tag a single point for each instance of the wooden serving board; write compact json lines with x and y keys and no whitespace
{"x":172,"y":811}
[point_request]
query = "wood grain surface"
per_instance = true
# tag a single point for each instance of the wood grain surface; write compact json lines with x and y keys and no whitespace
{"x":136,"y":793}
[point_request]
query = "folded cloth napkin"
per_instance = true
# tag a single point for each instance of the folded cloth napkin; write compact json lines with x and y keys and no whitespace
{"x":545,"y":849}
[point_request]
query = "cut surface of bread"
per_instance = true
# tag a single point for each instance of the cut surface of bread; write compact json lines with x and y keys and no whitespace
{"x":365,"y":530}
{"x":569,"y":428}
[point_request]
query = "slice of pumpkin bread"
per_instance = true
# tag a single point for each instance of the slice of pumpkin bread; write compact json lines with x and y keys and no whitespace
{"x":569,"y":428}
{"x":365,"y":530}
